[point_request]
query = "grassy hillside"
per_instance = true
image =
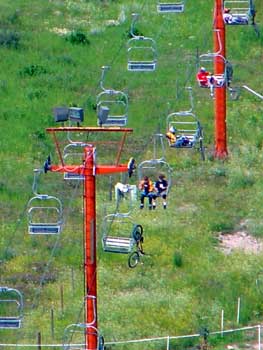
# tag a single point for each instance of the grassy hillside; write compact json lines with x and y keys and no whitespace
{"x":186,"y":280}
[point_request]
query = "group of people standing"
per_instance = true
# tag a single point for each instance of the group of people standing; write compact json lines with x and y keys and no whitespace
{"x":153,"y":190}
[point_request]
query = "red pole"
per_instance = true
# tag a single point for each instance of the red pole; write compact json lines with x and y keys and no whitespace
{"x":220,"y":93}
{"x":90,"y":274}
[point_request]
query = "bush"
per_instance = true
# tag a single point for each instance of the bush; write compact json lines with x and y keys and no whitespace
{"x":178,"y":259}
{"x":33,"y":70}
{"x":77,"y":37}
{"x":9,"y":38}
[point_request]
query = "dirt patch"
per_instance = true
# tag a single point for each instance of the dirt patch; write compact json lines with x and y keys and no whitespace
{"x":240,"y":240}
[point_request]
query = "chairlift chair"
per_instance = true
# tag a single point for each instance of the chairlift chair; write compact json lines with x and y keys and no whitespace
{"x":153,"y":168}
{"x":187,"y":128}
{"x":115,"y":104}
{"x":112,"y":105}
{"x":73,"y":152}
{"x":170,"y":7}
{"x":44,"y":212}
{"x":122,"y":235}
{"x":241,"y":11}
{"x":75,"y":333}
{"x":215,"y":80}
{"x":44,"y":215}
{"x":142,"y":52}
{"x":11,"y":308}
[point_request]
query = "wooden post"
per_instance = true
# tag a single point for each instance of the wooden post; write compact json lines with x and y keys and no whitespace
{"x":52,"y":322}
{"x":38,"y":341}
{"x":62,"y":298}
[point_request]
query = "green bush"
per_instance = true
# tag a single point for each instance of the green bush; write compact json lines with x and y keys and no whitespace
{"x":77,"y":37}
{"x":33,"y":70}
{"x":9,"y":38}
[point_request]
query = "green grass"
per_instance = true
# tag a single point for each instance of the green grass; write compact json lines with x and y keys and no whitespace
{"x":185,"y":280}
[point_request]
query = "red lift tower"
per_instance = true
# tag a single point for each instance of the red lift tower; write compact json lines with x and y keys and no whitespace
{"x":220,"y":93}
{"x":89,"y":169}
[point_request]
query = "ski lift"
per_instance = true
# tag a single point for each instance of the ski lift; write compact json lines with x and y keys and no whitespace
{"x":170,"y":7}
{"x":217,"y":80}
{"x":44,"y":213}
{"x":187,"y":129}
{"x":11,"y":308}
{"x":142,"y":52}
{"x":153,"y":168}
{"x":122,"y":235}
{"x":205,"y":78}
{"x":238,"y":12}
{"x":112,"y":105}
{"x":73,"y":152}
{"x":76,"y":332}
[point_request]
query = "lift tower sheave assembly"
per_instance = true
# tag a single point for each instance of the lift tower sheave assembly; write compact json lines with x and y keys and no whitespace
{"x":89,"y":169}
{"x":220,"y":93}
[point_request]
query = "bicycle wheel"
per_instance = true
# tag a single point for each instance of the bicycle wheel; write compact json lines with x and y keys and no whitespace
{"x":137,"y":233}
{"x":133,"y":259}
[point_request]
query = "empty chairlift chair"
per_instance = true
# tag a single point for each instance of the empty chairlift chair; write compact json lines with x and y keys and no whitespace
{"x":121,"y":235}
{"x":112,"y":106}
{"x":170,"y":7}
{"x":75,"y":335}
{"x":142,"y":52}
{"x":187,"y":129}
{"x":11,"y":308}
{"x":238,"y":12}
{"x":44,"y":213}
{"x":73,"y":154}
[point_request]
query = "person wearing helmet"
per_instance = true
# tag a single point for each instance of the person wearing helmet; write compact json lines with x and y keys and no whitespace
{"x":203,"y":77}
{"x":171,"y":136}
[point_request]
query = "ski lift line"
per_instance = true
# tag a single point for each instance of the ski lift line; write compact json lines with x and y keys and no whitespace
{"x":253,"y":92}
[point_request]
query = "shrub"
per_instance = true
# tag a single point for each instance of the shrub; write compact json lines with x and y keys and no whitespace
{"x":77,"y":37}
{"x":9,"y":38}
{"x":178,"y":259}
{"x":33,"y":70}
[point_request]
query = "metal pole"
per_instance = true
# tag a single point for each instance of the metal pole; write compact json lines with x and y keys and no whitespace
{"x":259,"y":338}
{"x":238,"y":310}
{"x":90,"y":270}
{"x":220,"y":93}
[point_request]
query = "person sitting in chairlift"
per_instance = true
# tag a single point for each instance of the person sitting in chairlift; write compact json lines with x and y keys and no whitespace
{"x":171,"y":136}
{"x":122,"y":189}
{"x":147,"y":190}
{"x":177,"y":141}
{"x":161,"y":186}
{"x":204,"y":78}
{"x":230,"y":19}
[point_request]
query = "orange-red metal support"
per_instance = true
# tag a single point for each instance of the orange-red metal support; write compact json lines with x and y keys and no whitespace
{"x":220,"y":93}
{"x":89,"y":169}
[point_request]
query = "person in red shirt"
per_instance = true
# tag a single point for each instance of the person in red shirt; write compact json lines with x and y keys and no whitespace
{"x":203,"y":77}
